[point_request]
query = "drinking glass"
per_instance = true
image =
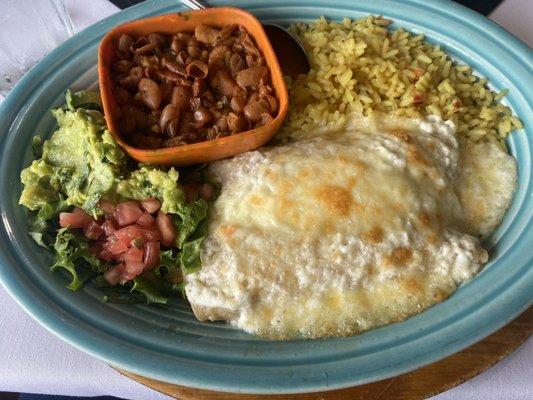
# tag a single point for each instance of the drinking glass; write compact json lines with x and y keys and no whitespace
{"x":30,"y":29}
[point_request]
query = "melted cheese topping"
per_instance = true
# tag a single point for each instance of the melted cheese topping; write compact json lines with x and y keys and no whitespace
{"x":336,"y":234}
{"x":485,"y":185}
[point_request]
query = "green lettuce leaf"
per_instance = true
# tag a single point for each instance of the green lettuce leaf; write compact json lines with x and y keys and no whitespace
{"x":190,"y":217}
{"x":190,"y":256}
{"x":150,"y":288}
{"x":72,"y":254}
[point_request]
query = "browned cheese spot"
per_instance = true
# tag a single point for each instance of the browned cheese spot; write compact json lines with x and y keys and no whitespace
{"x":401,"y":134}
{"x":424,"y":219}
{"x":256,"y":200}
{"x":415,"y":156}
{"x":374,"y":235}
{"x":335,"y":199}
{"x":400,"y":256}
{"x":412,"y":285}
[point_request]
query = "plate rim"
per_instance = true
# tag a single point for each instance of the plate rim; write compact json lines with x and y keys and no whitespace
{"x":50,"y":319}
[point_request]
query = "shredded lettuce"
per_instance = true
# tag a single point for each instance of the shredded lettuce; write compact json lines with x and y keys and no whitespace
{"x":72,"y":254}
{"x":190,"y":216}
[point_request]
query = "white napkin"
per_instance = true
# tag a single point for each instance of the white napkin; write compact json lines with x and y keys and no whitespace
{"x":32,"y":360}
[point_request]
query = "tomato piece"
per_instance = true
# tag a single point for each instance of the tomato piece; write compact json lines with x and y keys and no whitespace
{"x":75,"y":219}
{"x":151,"y":254}
{"x":133,"y":259}
{"x":128,"y":212}
{"x":146,"y":221}
{"x":151,"y":205}
{"x":110,"y":227}
{"x":113,"y":275}
{"x":106,"y":255}
{"x":151,"y":234}
{"x":107,"y":207}
{"x":116,"y":246}
{"x":93,"y":230}
{"x":138,"y":242}
{"x":128,"y":233}
{"x":166,"y":229}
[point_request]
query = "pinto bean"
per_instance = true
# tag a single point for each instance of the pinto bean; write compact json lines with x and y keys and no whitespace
{"x":122,"y":66}
{"x":202,"y":116}
{"x":122,"y":96}
{"x":151,"y":94}
{"x":174,"y":67}
{"x":157,"y":39}
{"x":226,"y":85}
{"x":182,"y":57}
{"x":194,"y":51}
{"x":177,"y":45}
{"x":251,"y":76}
{"x":236,"y":123}
{"x":169,"y":113}
{"x":236,"y":63}
{"x":206,"y":34}
{"x":228,"y":31}
{"x":254,"y":109}
{"x":272,"y":102}
{"x":237,"y":104}
{"x":180,"y":97}
{"x":146,"y":49}
{"x":197,"y":87}
{"x":196,"y":69}
{"x":124,"y":43}
{"x":265,"y":119}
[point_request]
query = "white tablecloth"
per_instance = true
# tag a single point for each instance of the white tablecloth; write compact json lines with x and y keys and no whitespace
{"x":33,"y":360}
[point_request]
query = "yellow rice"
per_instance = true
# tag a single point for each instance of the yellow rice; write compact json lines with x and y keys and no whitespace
{"x":363,"y":67}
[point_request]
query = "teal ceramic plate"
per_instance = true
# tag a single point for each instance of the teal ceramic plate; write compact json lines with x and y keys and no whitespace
{"x":168,"y":343}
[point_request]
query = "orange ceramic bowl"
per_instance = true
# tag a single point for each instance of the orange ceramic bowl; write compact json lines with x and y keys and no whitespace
{"x":186,"y":22}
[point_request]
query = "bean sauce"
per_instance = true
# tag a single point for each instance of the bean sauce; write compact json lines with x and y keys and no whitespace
{"x":190,"y":87}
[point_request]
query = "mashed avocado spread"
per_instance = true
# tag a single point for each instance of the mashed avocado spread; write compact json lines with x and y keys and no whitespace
{"x":79,"y":165}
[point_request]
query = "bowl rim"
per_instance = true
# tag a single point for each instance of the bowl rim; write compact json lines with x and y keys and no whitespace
{"x":490,"y":315}
{"x":265,"y":47}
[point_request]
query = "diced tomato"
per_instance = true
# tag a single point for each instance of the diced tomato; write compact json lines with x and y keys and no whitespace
{"x":93,"y":230}
{"x":138,"y":242}
{"x":128,"y":212}
{"x":146,"y":221}
{"x":75,"y":219}
{"x":110,"y":227}
{"x":151,"y":234}
{"x":116,"y":246}
{"x":206,"y":191}
{"x":166,"y":229}
{"x":113,"y":276}
{"x":151,"y":254}
{"x":106,"y":255}
{"x":418,"y":97}
{"x":191,"y":191}
{"x":133,"y":258}
{"x":128,"y":233}
{"x":107,"y":207}
{"x":151,"y":205}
